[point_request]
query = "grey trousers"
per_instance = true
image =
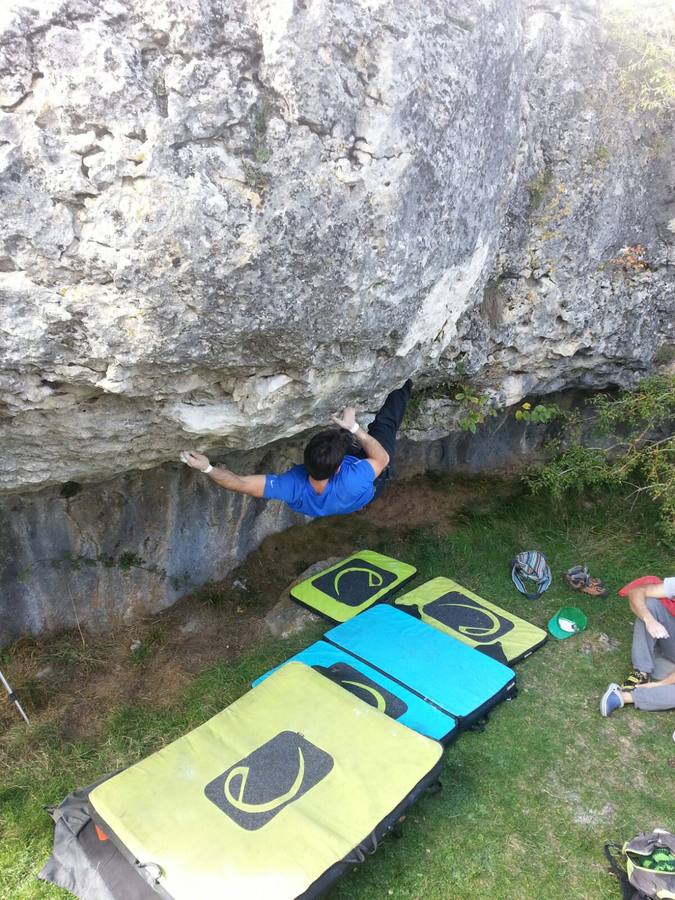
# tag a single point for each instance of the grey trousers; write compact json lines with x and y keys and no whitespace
{"x":643,"y":650}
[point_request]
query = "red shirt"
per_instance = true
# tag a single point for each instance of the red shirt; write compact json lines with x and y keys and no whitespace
{"x":669,"y":600}
{"x":668,"y":583}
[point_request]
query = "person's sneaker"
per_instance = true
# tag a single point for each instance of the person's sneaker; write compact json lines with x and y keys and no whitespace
{"x":635,"y":679}
{"x":611,"y":700}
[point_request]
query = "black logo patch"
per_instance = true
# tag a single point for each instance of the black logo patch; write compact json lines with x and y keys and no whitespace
{"x":255,"y":789}
{"x":354,"y":582}
{"x":364,"y":688}
{"x":468,"y":618}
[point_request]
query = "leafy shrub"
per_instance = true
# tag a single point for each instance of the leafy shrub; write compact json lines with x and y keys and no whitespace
{"x":637,"y":450}
{"x":644,"y":36}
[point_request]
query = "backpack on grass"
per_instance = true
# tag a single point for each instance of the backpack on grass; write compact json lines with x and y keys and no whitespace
{"x":645,"y":866}
{"x":531,"y":565}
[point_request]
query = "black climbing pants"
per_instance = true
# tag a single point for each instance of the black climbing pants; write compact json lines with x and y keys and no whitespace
{"x":384,"y":429}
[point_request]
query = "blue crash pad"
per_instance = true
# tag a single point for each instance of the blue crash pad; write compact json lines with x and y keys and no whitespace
{"x":376,"y":689}
{"x":456,"y":678}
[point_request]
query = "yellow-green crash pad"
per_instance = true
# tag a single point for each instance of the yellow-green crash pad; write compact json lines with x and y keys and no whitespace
{"x":459,"y":612}
{"x":349,"y":587}
{"x":268,"y":796}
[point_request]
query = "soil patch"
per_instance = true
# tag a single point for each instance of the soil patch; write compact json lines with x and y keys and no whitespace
{"x":74,"y":685}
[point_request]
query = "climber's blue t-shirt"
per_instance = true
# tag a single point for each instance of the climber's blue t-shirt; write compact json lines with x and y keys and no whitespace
{"x":348,"y":490}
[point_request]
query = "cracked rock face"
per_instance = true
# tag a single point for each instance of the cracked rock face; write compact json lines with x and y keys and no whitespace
{"x":223,"y":220}
{"x":99,"y":556}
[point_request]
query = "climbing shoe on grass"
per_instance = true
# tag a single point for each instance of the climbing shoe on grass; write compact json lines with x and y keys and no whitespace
{"x":611,"y":700}
{"x":579,"y":580}
{"x":635,"y":679}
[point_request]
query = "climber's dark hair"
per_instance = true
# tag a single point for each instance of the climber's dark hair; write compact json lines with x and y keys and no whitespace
{"x":325,"y":452}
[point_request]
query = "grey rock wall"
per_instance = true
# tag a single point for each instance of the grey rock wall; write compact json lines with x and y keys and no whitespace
{"x":101,"y":555}
{"x":221,"y":221}
{"x":98,"y":555}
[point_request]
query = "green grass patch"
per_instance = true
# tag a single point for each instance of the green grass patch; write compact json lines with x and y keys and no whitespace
{"x":526,"y":805}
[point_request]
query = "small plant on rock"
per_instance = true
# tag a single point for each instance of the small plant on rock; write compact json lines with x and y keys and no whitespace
{"x":255,"y":178}
{"x":477,"y":409}
{"x":538,"y":187}
{"x":539,"y":414}
{"x":127,"y":560}
{"x":632,"y":259}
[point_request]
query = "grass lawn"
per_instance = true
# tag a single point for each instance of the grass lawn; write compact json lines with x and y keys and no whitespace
{"x":526,"y":805}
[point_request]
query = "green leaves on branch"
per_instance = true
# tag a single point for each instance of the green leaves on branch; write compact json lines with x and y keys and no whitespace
{"x":477,"y":409}
{"x":539,"y":414}
{"x":637,"y":451}
{"x":473,"y":410}
{"x":578,"y":467}
{"x":651,"y":405}
{"x":644,"y":35}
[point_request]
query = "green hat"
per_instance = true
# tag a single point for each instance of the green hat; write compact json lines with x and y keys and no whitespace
{"x":567,"y":621}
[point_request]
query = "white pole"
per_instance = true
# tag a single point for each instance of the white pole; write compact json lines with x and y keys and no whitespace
{"x":13,"y":698}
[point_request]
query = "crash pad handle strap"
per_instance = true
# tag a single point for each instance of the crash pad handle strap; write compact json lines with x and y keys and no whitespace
{"x":611,"y":854}
{"x":152,"y":865}
{"x":614,"y":852}
{"x":479,"y":723}
{"x":364,"y":848}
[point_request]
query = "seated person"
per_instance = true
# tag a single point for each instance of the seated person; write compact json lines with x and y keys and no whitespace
{"x":654,"y":607}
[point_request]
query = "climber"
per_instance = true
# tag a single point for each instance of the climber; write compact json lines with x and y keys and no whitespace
{"x":654,"y":608}
{"x":344,"y":468}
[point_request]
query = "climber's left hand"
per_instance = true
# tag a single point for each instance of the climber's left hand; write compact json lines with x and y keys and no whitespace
{"x":195,"y":460}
